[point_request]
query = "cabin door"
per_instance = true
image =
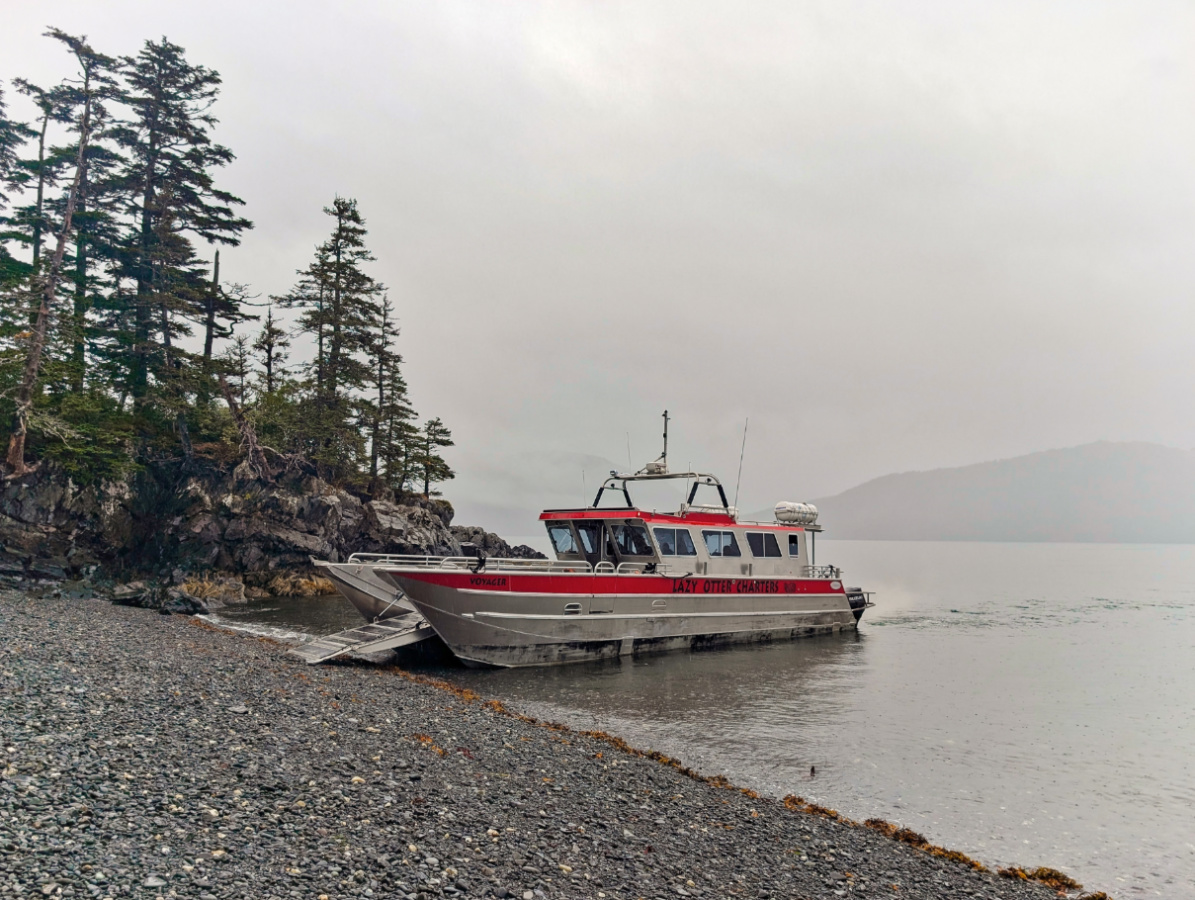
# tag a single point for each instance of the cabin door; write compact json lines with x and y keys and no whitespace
{"x":598,"y":550}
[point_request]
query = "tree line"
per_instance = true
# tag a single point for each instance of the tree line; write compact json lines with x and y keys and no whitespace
{"x":120,"y":343}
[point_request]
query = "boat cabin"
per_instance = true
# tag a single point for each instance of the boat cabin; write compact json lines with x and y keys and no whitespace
{"x":694,"y":540}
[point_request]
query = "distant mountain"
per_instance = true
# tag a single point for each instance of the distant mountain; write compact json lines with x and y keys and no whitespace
{"x":1103,"y":492}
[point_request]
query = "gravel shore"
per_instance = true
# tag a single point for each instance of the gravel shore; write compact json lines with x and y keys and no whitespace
{"x":146,"y":755}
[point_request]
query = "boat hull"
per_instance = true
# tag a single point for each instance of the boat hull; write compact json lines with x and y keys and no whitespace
{"x":515,"y":620}
{"x":369,"y":590}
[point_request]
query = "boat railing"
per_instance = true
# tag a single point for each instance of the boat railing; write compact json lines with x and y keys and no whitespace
{"x":822,"y":572}
{"x":491,"y":564}
{"x":500,"y":564}
{"x":643,"y":568}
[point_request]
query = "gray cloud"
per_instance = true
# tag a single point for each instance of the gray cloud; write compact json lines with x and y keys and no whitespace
{"x":894,"y":235}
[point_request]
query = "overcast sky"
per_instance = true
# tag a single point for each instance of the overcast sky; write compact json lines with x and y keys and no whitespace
{"x":894,"y":235}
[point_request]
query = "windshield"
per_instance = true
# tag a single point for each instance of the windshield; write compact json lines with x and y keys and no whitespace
{"x":562,"y":539}
{"x":632,"y":540}
{"x":590,"y":534}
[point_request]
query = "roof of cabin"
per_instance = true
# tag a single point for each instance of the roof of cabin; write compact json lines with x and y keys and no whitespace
{"x":657,"y":518}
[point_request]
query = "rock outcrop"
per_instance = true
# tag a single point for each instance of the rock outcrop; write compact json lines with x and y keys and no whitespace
{"x":491,"y":544}
{"x":53,"y":528}
{"x":171,"y":520}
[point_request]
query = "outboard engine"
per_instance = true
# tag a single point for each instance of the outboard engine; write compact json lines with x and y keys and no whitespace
{"x":858,"y":601}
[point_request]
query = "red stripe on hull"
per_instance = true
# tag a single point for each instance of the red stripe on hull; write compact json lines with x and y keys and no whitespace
{"x":586,"y":585}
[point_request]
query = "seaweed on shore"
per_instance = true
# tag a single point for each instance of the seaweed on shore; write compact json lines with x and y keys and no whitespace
{"x":1059,"y":881}
{"x":800,"y":804}
{"x":292,"y":585}
{"x":913,"y":839}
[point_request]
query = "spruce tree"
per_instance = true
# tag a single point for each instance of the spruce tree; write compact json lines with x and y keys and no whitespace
{"x":171,"y":198}
{"x":41,"y":173}
{"x":92,"y":84}
{"x":271,"y":345}
{"x":12,"y":135}
{"x":389,"y":408}
{"x":238,"y":361}
{"x":339,"y":303}
{"x":430,"y":464}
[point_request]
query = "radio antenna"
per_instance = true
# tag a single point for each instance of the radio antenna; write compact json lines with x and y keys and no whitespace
{"x":742,"y":453}
{"x":664,"y":455}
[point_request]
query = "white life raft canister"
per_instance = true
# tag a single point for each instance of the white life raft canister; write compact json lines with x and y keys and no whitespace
{"x":791,"y":513}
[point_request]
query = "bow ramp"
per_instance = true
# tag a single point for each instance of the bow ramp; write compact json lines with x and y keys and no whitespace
{"x":376,"y":637}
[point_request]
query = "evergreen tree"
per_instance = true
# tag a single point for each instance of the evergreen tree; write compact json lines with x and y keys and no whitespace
{"x":171,"y":196}
{"x":106,"y":300}
{"x":43,"y":172}
{"x":271,"y":346}
{"x":238,"y":361}
{"x":339,"y":305}
{"x":93,"y":83}
{"x":12,"y":136}
{"x":389,"y":410}
{"x":431,"y":466}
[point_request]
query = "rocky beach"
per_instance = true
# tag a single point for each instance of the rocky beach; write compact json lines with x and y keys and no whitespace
{"x":153,"y":755}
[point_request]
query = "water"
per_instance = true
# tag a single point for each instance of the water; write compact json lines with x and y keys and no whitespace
{"x":291,"y":618}
{"x":1025,"y":703}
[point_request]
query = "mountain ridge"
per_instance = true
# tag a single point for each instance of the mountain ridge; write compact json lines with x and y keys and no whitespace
{"x":1102,"y":492}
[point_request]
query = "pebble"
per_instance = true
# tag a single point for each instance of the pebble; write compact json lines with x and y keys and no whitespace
{"x":127,"y":732}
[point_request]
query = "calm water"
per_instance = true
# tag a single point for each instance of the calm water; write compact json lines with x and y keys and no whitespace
{"x":1025,"y":703}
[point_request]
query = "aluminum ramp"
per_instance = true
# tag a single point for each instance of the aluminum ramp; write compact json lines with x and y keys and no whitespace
{"x":376,"y":637}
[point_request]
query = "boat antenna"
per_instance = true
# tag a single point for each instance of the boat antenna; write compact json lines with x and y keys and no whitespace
{"x":584,"y":487}
{"x":742,"y":453}
{"x":664,"y":455}
{"x":630,"y":465}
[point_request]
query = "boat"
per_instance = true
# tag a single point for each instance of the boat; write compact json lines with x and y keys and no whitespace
{"x":371,"y":594}
{"x":628,"y":581}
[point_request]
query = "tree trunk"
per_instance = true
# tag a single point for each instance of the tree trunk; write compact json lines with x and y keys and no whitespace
{"x":79,"y":322}
{"x":377,"y":415}
{"x":319,"y":335}
{"x":37,"y":342}
{"x":79,"y":345}
{"x":142,"y":316}
{"x":209,"y":326}
{"x":41,"y":187}
{"x":258,"y":464}
{"x":184,"y":435}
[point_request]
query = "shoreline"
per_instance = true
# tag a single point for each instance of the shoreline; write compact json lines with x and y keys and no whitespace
{"x":148,"y":755}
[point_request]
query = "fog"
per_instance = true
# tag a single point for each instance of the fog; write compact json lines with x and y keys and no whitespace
{"x":892,"y":236}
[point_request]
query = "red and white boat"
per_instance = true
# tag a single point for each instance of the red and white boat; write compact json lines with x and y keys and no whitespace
{"x":628,"y":581}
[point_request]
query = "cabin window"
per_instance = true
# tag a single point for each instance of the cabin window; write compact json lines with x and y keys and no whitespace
{"x":721,"y":543}
{"x":794,"y":545}
{"x":562,"y":539}
{"x":675,"y":542}
{"x":632,"y":540}
{"x":763,"y":544}
{"x":591,"y":538}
